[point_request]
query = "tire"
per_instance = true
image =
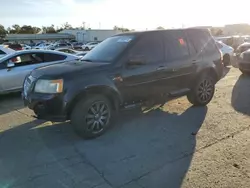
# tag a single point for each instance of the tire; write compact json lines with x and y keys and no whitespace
{"x":97,"y":122}
{"x":203,"y":91}
{"x":87,"y":48}
{"x":226,"y":60}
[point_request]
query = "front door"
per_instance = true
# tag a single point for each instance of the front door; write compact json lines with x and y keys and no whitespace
{"x":141,"y":80}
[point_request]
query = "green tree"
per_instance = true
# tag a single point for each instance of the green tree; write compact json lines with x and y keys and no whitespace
{"x":49,"y":29}
{"x":3,"y":32}
{"x":26,"y":29}
{"x":66,"y":25}
{"x":120,"y":29}
{"x":16,"y":29}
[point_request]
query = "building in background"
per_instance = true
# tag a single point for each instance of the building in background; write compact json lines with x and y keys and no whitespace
{"x":90,"y":35}
{"x":26,"y":38}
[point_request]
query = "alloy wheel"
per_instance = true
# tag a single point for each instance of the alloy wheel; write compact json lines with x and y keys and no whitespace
{"x":97,"y":117}
{"x":205,"y":90}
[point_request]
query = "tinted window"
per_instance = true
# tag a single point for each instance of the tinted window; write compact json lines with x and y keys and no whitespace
{"x":109,"y":49}
{"x":176,"y":45}
{"x":149,"y":48}
{"x":202,"y":40}
{"x":27,"y":59}
{"x":48,"y":57}
{"x":1,"y":52}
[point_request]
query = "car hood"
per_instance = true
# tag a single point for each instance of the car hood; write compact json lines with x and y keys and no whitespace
{"x":67,"y":69}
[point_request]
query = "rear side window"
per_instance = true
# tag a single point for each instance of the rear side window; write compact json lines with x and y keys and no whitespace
{"x":176,"y":45}
{"x":48,"y":57}
{"x":202,"y":41}
{"x":1,"y":52}
{"x":150,"y":48}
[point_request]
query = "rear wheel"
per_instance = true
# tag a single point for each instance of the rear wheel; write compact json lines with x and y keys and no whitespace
{"x":202,"y":92}
{"x":91,"y":117}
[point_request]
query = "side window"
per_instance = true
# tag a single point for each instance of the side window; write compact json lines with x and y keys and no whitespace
{"x":176,"y":45}
{"x":1,"y":52}
{"x":27,"y":59}
{"x":149,"y":48}
{"x":202,"y":41}
{"x":48,"y":57}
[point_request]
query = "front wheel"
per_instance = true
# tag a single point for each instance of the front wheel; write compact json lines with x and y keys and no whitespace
{"x":202,"y":92}
{"x":91,"y":116}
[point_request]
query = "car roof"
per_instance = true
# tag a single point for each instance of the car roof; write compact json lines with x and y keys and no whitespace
{"x":159,"y":31}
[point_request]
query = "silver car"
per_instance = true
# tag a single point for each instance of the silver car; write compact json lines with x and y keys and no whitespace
{"x":14,"y":67}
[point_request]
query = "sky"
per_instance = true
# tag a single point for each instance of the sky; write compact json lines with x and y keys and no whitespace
{"x":132,"y":14}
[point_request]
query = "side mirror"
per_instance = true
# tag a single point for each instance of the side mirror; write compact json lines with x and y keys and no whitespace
{"x":10,"y":64}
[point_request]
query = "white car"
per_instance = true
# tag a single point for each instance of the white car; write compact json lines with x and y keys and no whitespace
{"x":227,"y":51}
{"x":14,"y":67}
{"x":42,"y":46}
{"x":4,"y":50}
{"x":26,"y":47}
{"x":89,"y":45}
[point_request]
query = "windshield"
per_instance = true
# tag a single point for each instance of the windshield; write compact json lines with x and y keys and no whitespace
{"x":109,"y":49}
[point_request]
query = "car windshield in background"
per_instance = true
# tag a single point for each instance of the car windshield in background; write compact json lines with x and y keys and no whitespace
{"x":109,"y":49}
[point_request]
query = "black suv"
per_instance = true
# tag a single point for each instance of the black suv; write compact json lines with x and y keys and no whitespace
{"x":122,"y":72}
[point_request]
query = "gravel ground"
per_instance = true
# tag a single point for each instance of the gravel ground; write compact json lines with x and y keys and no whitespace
{"x":175,"y":146}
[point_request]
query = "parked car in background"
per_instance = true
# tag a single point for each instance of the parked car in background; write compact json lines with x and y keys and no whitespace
{"x":71,"y":51}
{"x":4,"y":50}
{"x":123,"y":72}
{"x":242,"y":48}
{"x":59,"y":45}
{"x":15,"y":66}
{"x":89,"y":45}
{"x":244,"y":62}
{"x":26,"y":47}
{"x":41,"y":46}
{"x":15,"y":46}
{"x":227,"y":51}
{"x":77,"y":45}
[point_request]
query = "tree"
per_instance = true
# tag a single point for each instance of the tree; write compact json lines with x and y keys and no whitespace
{"x":67,"y":26}
{"x":3,"y":32}
{"x":160,"y":27}
{"x":49,"y":29}
{"x":36,"y":30}
{"x":16,"y":29}
{"x":120,"y":29}
{"x":26,"y":29}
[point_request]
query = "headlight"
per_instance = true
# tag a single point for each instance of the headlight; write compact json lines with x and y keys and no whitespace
{"x":49,"y":86}
{"x":241,"y":55}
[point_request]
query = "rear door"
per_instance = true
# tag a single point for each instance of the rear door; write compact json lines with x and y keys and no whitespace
{"x":143,"y":81}
{"x":181,"y":61}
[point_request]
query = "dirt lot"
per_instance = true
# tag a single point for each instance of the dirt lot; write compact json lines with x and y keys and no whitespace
{"x":177,"y":146}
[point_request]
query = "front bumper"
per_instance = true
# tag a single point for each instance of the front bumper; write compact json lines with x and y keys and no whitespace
{"x":49,"y":107}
